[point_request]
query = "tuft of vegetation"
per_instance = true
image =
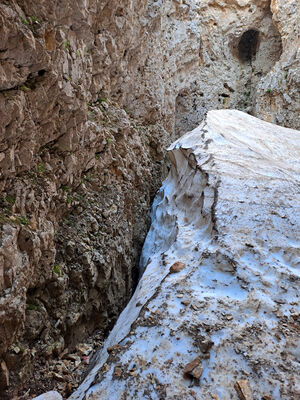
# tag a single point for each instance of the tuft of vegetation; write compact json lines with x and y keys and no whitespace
{"x":23,"y":220}
{"x":268,"y":90}
{"x":9,"y":200}
{"x":41,"y":168}
{"x":33,"y":307}
{"x":91,"y":115}
{"x":31,"y":21}
{"x":57,"y":269}
{"x":88,"y":178}
{"x":34,"y":20}
{"x":65,"y":188}
{"x":25,"y":88}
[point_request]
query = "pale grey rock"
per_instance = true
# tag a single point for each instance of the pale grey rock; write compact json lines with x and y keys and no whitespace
{"x":49,"y":396}
{"x":229,"y":211}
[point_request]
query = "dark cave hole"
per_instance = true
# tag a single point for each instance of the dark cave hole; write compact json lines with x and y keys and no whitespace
{"x":41,"y":72}
{"x":248,"y":44}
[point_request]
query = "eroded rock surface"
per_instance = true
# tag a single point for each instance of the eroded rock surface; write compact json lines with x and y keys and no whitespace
{"x":90,"y":93}
{"x":216,"y":312}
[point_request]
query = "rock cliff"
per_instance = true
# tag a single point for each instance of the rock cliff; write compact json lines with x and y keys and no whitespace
{"x":216,"y":312}
{"x":91,"y":93}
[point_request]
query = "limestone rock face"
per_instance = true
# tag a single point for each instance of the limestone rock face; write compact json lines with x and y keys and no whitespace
{"x":278,"y":94}
{"x":216,"y":312}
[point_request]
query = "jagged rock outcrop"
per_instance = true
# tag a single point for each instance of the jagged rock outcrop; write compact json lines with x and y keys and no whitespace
{"x":216,"y":312}
{"x":278,"y":94}
{"x":78,"y":174}
{"x":70,"y":248}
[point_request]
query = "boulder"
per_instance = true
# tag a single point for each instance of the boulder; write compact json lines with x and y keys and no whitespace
{"x":49,"y":396}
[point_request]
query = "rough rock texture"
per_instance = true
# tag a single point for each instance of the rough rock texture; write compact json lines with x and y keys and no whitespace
{"x":278,"y":94}
{"x":77,"y":176}
{"x":90,"y":93}
{"x":69,"y":248}
{"x":198,"y":60}
{"x":216,"y":312}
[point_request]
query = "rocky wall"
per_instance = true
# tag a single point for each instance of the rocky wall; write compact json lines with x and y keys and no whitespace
{"x":90,"y":94}
{"x":77,"y":178}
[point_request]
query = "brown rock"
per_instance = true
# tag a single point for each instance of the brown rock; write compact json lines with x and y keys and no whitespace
{"x":58,"y":377}
{"x":177,"y":267}
{"x":117,"y":372}
{"x":243,"y":389}
{"x":114,"y":348}
{"x":205,"y":345}
{"x":4,"y":375}
{"x":69,"y":389}
{"x":193,"y":369}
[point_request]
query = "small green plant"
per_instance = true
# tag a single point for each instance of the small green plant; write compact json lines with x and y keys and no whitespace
{"x":108,"y":140}
{"x":33,"y":307}
{"x":286,"y":75}
{"x":34,"y":20}
{"x":91,"y":115}
{"x":88,"y":178}
{"x":57,"y":269}
{"x":268,"y":90}
{"x":25,"y":88}
{"x":9,"y":200}
{"x":7,"y":95}
{"x":78,"y":53}
{"x":68,"y":200}
{"x":30,"y":21}
{"x":67,"y":45}
{"x":224,"y":100}
{"x":65,"y":188}
{"x":102,"y":99}
{"x":41,"y":168}
{"x":23,"y":220}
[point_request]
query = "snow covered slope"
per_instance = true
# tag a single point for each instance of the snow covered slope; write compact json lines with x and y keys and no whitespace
{"x":216,"y":312}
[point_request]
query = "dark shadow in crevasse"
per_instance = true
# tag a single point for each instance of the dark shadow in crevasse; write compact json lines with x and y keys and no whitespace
{"x":248,"y":45}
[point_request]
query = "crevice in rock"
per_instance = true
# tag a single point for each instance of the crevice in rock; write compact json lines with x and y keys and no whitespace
{"x":248,"y":45}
